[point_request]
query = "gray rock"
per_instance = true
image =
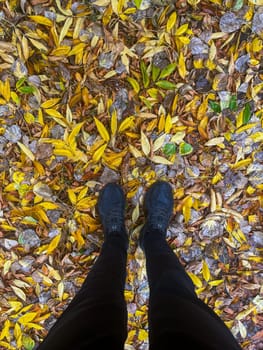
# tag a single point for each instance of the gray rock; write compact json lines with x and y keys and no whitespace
{"x":106,"y":60}
{"x":257,"y":23}
{"x":161,"y":60}
{"x":57,"y":132}
{"x":198,"y":47}
{"x":13,"y":133}
{"x":8,"y":243}
{"x":230,"y":23}
{"x":120,"y":103}
{"x":4,"y":111}
{"x":257,"y":239}
{"x":109,"y":175}
{"x":192,"y":253}
{"x":241,"y":63}
{"x":29,"y":239}
{"x":212,"y":228}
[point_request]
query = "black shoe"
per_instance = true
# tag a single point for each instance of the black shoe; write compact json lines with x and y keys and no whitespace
{"x":111,"y":207}
{"x":158,"y":209}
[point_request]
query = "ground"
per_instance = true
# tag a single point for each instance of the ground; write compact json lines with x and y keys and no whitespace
{"x":129,"y":91}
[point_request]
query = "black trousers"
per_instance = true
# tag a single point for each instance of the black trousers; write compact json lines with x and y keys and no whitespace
{"x":97,"y":317}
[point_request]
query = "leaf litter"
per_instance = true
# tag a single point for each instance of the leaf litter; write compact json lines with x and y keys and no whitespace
{"x":129,"y":91}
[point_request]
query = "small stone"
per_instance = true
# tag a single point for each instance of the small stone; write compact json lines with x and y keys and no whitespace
{"x":202,"y":85}
{"x":257,"y":239}
{"x":29,"y":239}
{"x":241,"y":63}
{"x":161,"y":60}
{"x":212,"y":228}
{"x":230,"y":23}
{"x":8,"y":243}
{"x":109,"y":175}
{"x":257,"y":23}
{"x":192,"y":253}
{"x":198,"y":47}
{"x":106,"y":60}
{"x":57,"y":132}
{"x":13,"y":133}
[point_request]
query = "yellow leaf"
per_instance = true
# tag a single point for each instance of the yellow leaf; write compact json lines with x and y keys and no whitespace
{"x":168,"y":124}
{"x":86,"y":203}
{"x":54,"y":113}
{"x":146,"y":147}
{"x":50,"y":103}
{"x":171,"y":21}
{"x":19,"y":293}
{"x":102,"y":130}
{"x":48,"y":205}
{"x":6,"y":92}
{"x":18,"y":335}
{"x":28,"y":317}
{"x":77,"y":49}
{"x":215,"y":141}
{"x":205,"y":271}
{"x":142,"y":335}
{"x":114,"y":5}
{"x":60,"y":290}
{"x":78,"y":27}
{"x":27,"y":151}
{"x":34,"y":325}
{"x":53,"y":244}
{"x":134,"y":83}
{"x":161,"y":160}
{"x":65,"y":29}
{"x":159,"y":142}
{"x":181,"y":66}
{"x":126,"y":123}
{"x":182,"y":29}
{"x":67,"y":12}
{"x":196,"y":280}
{"x":187,"y":205}
{"x":241,"y":163}
{"x":5,"y":331}
{"x":114,"y":122}
{"x":242,"y":328}
{"x":63,"y":153}
{"x":42,"y":20}
{"x":215,"y":283}
{"x":99,"y":153}
{"x":72,"y":136}
{"x":61,"y":51}
{"x":38,"y":44}
{"x":83,"y":193}
{"x":134,"y":151}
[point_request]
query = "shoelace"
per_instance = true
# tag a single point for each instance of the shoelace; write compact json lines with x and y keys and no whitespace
{"x":114,"y":220}
{"x":159,"y":218}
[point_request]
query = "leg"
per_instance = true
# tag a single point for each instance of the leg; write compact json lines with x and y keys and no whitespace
{"x":176,"y":316}
{"x":97,"y":317}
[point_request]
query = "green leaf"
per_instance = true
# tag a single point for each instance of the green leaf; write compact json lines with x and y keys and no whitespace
{"x":246,"y":113}
{"x":26,"y":89}
{"x":238,"y":5}
{"x":214,"y":106}
{"x":20,"y":82}
{"x":233,"y":103}
{"x":185,"y":149}
{"x":155,"y":72}
{"x":145,"y":76}
{"x":28,"y":342}
{"x":137,"y":3}
{"x":169,"y":149}
{"x":167,"y":70}
{"x":165,"y":84}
